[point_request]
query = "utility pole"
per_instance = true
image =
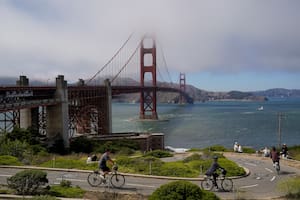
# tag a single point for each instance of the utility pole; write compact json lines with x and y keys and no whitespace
{"x":280,"y":115}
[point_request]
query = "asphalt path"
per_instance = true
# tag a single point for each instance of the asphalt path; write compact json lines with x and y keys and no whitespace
{"x":259,"y":184}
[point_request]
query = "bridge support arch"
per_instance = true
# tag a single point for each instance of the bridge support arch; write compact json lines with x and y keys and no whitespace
{"x":148,"y":98}
{"x":58,"y":115}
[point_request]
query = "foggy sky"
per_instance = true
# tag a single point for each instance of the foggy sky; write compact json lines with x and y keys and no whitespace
{"x":225,"y":40}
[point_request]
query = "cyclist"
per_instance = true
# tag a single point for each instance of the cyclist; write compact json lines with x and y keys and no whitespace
{"x":212,"y":171}
{"x":284,"y":151}
{"x":102,"y":162}
{"x":275,"y":156}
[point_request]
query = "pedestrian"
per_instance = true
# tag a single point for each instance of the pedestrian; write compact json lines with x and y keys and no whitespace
{"x":266,"y":152}
{"x":240,"y":149}
{"x":89,"y":159}
{"x":235,"y":147}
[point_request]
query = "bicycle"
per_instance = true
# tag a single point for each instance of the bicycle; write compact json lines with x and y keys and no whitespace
{"x":116,"y":179}
{"x":277,"y":166}
{"x":225,"y":183}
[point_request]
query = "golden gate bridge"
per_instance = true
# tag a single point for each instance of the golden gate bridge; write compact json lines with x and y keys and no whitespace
{"x":85,"y":107}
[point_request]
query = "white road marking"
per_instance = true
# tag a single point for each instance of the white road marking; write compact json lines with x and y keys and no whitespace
{"x":269,"y":170}
{"x":272,"y":179}
{"x":140,"y":185}
{"x":248,"y":186}
{"x":251,"y":164}
{"x":71,"y":179}
{"x":4,"y":175}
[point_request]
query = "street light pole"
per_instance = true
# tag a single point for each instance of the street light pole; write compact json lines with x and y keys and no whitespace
{"x":280,"y":115}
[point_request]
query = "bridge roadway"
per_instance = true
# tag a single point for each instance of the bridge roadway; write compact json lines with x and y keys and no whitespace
{"x":14,"y":98}
{"x":259,"y":184}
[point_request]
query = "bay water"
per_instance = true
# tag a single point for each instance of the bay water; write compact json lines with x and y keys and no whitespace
{"x":217,"y":123}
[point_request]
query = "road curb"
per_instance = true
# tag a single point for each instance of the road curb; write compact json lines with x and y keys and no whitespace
{"x":125,"y":174}
{"x":12,"y":196}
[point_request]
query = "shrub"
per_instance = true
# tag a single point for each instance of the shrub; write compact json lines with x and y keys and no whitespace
{"x":58,"y":147}
{"x":159,"y":154}
{"x":181,"y":190}
{"x":291,"y":187}
{"x":14,"y":148}
{"x":28,"y":181}
{"x":65,"y":183}
{"x":81,"y":144}
{"x":9,"y":160}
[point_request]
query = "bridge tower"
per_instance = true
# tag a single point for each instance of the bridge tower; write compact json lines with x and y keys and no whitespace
{"x":182,"y":87}
{"x":148,"y":97}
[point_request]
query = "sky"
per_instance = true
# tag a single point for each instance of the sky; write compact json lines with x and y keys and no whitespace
{"x":220,"y":45}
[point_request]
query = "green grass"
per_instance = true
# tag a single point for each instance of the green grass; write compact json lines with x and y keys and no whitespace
{"x":192,"y":166}
{"x":69,"y":162}
{"x":9,"y":160}
{"x":68,"y":192}
{"x":291,"y":187}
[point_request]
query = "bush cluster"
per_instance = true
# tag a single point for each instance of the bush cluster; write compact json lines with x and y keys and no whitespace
{"x":28,"y":181}
{"x":181,"y":190}
{"x":21,"y":144}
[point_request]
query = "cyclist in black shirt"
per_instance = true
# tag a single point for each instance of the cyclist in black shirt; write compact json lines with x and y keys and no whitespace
{"x":212,"y":171}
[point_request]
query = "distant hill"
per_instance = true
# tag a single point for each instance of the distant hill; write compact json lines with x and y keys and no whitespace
{"x":195,"y":93}
{"x":278,"y":92}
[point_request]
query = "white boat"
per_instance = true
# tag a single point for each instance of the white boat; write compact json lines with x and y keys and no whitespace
{"x":260,"y":108}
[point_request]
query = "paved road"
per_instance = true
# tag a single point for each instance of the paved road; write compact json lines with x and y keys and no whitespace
{"x":263,"y":179}
{"x":261,"y":182}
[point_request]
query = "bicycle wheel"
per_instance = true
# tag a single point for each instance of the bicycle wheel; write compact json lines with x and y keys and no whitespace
{"x":277,"y":168}
{"x":117,"y":180}
{"x":207,"y":184}
{"x":227,"y":184}
{"x":94,"y":179}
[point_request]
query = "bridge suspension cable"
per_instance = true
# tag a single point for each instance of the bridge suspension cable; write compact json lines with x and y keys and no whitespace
{"x":125,"y":65}
{"x":114,"y":56}
{"x":165,"y":64}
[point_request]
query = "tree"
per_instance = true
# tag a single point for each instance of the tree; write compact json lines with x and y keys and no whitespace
{"x":28,"y":181}
{"x":181,"y":190}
